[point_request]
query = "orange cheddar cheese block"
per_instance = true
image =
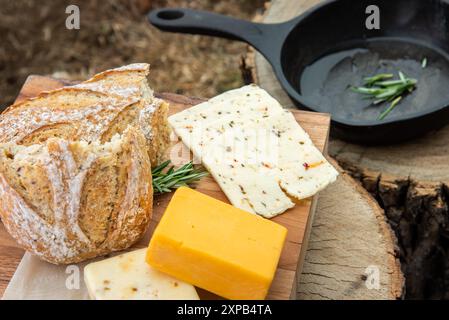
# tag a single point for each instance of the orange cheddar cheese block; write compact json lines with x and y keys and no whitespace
{"x":215,"y":246}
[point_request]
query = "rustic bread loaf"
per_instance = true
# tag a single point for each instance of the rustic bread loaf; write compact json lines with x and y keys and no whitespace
{"x":96,"y":109}
{"x":70,"y":201}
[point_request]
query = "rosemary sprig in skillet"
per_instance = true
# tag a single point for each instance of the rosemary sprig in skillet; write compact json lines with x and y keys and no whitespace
{"x":424,"y":63}
{"x":382,"y":88}
{"x":166,"y":178}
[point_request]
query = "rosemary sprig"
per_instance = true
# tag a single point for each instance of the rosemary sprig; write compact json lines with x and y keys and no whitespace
{"x":424,"y":63}
{"x":379,"y":89}
{"x":379,"y":77}
{"x":391,"y":107}
{"x":166,"y":178}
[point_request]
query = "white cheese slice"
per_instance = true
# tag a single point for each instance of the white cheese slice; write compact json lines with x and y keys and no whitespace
{"x":247,"y":187}
{"x":255,"y":165}
{"x":205,"y":120}
{"x":261,"y":157}
{"x":301,"y":168}
{"x":129,"y":277}
{"x":248,"y":100}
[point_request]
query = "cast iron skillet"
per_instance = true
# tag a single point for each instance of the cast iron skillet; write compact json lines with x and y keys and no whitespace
{"x":317,"y":55}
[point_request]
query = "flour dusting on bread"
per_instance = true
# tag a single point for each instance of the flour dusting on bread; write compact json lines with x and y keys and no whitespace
{"x":93,"y":110}
{"x":67,"y":236}
{"x":75,"y":165}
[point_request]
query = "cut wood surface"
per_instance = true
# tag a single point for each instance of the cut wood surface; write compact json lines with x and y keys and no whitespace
{"x":297,"y":220}
{"x":324,"y":272}
{"x":350,"y":248}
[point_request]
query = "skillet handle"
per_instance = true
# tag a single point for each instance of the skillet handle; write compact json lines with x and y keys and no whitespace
{"x":264,"y":37}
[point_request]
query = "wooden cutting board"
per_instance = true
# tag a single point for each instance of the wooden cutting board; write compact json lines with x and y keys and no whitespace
{"x":297,"y":220}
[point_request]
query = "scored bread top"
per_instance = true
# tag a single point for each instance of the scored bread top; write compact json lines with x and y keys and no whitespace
{"x":133,"y":85}
{"x":93,"y":110}
{"x":70,"y":201}
{"x":69,"y":112}
{"x":75,"y":165}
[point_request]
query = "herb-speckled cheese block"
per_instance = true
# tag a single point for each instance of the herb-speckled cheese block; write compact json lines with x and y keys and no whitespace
{"x":216,"y":246}
{"x":203,"y":122}
{"x":129,"y":277}
{"x":286,"y":158}
{"x":255,"y":150}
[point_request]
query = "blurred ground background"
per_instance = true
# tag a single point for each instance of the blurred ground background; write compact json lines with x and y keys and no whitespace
{"x":34,"y":40}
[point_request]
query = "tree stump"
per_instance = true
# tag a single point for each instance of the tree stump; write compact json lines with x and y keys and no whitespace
{"x":350,"y":248}
{"x":409,"y":180}
{"x":350,"y":237}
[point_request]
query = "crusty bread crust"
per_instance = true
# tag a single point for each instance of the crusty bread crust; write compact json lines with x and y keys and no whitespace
{"x":75,"y":165}
{"x":91,"y":111}
{"x":101,"y":196}
{"x":142,"y":70}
